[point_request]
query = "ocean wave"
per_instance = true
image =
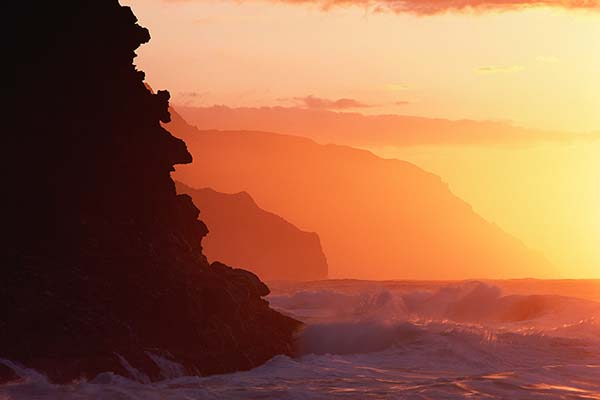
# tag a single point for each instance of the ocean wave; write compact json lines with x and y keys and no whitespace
{"x":455,"y":341}
{"x":469,"y":302}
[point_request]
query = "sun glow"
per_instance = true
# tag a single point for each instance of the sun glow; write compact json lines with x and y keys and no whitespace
{"x":547,"y":195}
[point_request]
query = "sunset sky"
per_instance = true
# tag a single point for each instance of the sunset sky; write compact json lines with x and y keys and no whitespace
{"x":535,"y":67}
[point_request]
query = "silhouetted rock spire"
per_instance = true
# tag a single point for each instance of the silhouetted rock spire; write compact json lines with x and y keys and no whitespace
{"x":105,"y":259}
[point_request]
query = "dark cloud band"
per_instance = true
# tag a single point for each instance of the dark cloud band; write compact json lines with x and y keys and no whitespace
{"x":319,"y":103}
{"x":432,"y":7}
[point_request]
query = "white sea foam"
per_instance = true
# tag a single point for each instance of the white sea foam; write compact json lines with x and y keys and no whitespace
{"x":375,"y":340}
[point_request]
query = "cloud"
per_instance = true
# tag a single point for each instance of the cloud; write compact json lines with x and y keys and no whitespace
{"x":205,"y":21}
{"x":396,"y":87}
{"x":229,"y":19}
{"x":547,"y":59}
{"x":357,"y":129}
{"x":500,"y":69}
{"x":432,"y":7}
{"x":190,"y":98}
{"x":402,"y":103}
{"x":319,"y":103}
{"x":192,"y":94}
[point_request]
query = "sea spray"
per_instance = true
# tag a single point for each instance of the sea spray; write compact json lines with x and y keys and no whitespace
{"x":393,"y":341}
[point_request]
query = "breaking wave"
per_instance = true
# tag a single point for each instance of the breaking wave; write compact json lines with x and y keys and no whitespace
{"x":372,"y":340}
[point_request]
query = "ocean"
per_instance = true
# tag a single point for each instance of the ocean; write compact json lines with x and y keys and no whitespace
{"x":523,"y":339}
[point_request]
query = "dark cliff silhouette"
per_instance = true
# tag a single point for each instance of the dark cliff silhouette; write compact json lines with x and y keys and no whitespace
{"x":377,"y":218}
{"x":243,"y":234}
{"x":105,"y":259}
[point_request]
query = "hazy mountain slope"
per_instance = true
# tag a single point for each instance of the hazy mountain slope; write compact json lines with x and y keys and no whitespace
{"x":377,"y":218}
{"x":356,"y":129}
{"x":241,"y":233}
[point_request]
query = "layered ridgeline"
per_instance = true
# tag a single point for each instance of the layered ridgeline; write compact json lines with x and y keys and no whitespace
{"x":355,"y":129}
{"x":377,"y":218}
{"x":105,"y":270}
{"x":243,"y":234}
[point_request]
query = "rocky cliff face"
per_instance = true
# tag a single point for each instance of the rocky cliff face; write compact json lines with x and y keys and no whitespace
{"x":243,"y":234}
{"x":105,"y":269}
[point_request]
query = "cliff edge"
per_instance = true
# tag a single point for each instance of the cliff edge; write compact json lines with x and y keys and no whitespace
{"x":105,"y":269}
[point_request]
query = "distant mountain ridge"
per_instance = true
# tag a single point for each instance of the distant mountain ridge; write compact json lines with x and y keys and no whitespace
{"x":377,"y":218}
{"x":355,"y":129}
{"x":241,"y":233}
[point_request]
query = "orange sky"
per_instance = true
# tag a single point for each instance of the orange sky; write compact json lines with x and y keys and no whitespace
{"x":537,"y":68}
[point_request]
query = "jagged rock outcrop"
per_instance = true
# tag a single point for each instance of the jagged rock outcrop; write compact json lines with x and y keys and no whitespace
{"x":241,"y":233}
{"x":105,"y":269}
